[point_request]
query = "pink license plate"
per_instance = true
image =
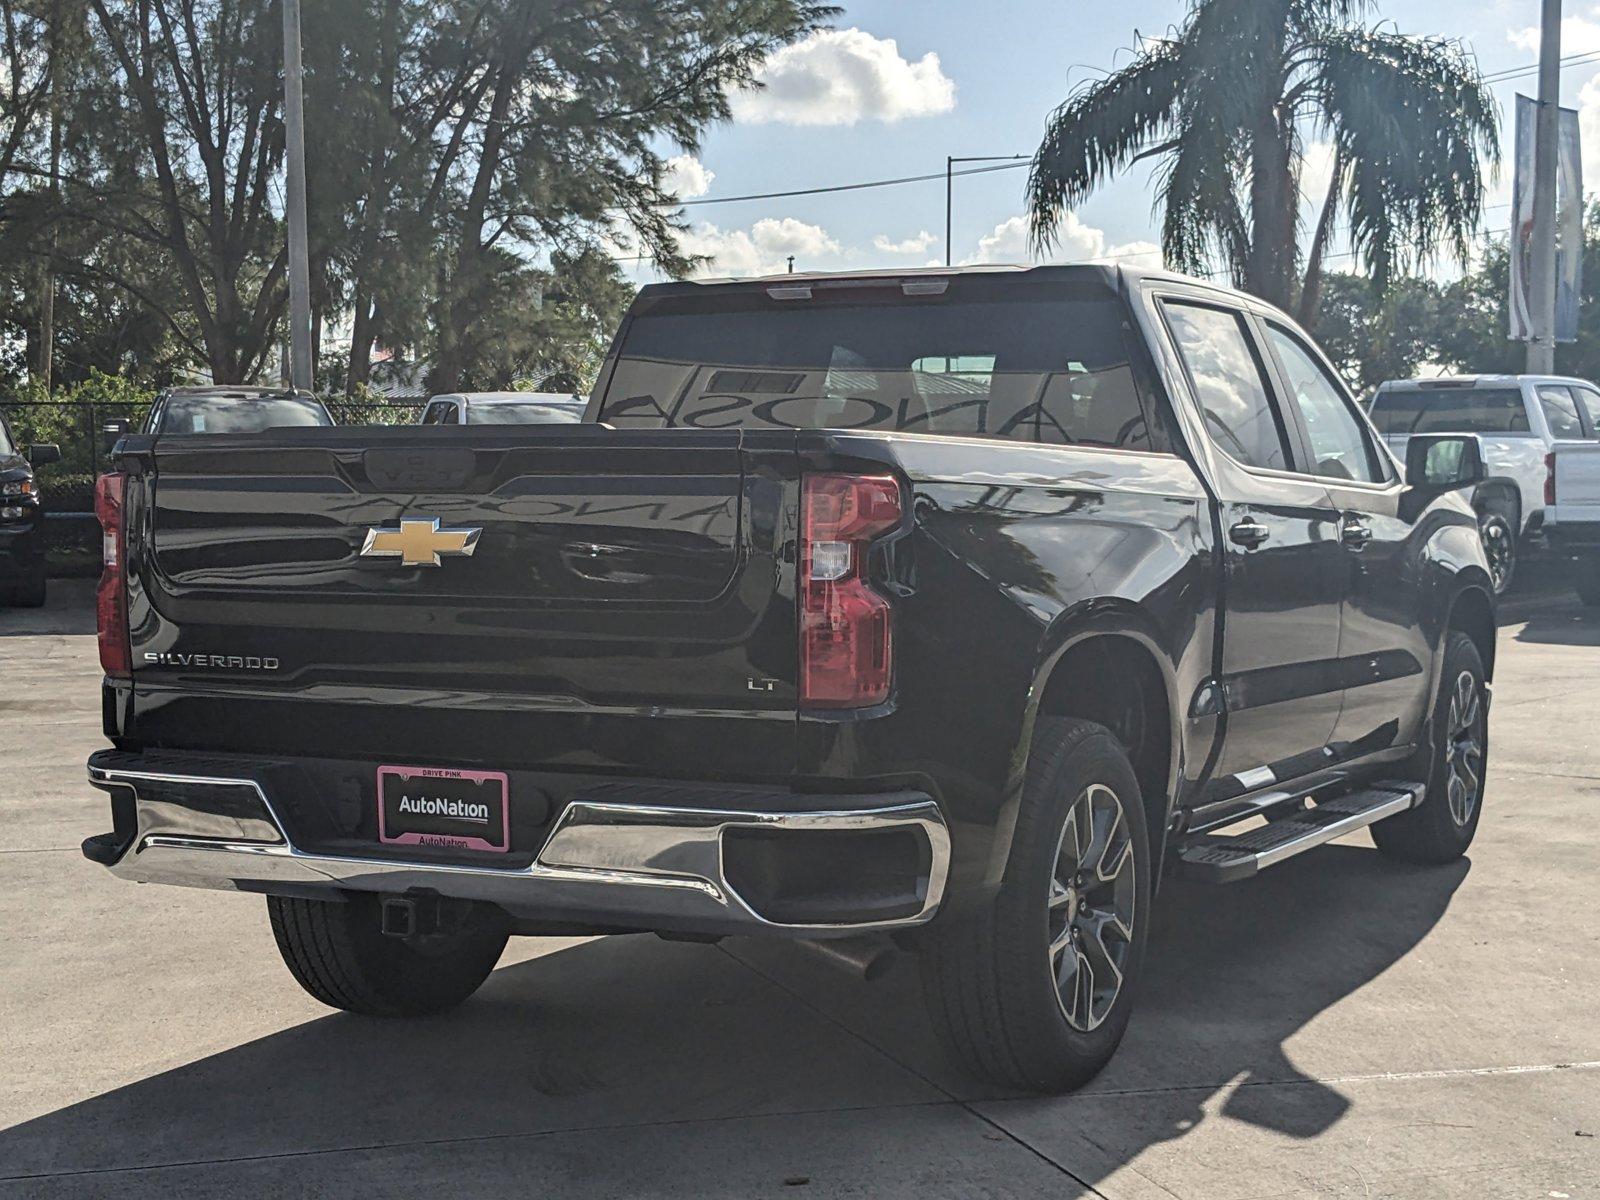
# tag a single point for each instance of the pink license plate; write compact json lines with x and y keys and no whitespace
{"x":435,"y":806}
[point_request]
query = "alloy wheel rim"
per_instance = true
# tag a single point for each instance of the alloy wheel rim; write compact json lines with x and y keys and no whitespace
{"x":1091,"y":907}
{"x":1464,"y":749}
{"x":1497,"y":549}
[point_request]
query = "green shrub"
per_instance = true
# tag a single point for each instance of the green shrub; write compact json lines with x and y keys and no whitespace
{"x":71,"y":417}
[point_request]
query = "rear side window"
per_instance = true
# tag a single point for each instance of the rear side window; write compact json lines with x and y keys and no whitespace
{"x":1589,"y":401}
{"x":1034,"y":363}
{"x":1230,"y":384}
{"x":1450,"y":410}
{"x":1560,"y":411}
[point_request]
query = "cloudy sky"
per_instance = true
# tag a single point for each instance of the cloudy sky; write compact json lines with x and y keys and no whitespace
{"x":896,"y":86}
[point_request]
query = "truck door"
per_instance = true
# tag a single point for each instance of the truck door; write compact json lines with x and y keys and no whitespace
{"x":1278,"y":683}
{"x":1382,"y":645}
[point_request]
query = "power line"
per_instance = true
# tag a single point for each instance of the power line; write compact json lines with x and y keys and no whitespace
{"x":838,"y":187}
{"x":1572,"y":60}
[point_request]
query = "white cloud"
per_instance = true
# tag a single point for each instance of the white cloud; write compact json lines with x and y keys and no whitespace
{"x":686,"y":177}
{"x":1579,"y":35}
{"x":842,"y":76}
{"x":763,"y":249}
{"x":1075,"y":242}
{"x":921,"y":243}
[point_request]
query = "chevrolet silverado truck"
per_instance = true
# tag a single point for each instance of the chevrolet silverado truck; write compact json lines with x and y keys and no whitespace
{"x":952,"y":610}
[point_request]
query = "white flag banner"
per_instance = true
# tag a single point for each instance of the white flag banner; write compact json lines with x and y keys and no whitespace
{"x":1569,"y":224}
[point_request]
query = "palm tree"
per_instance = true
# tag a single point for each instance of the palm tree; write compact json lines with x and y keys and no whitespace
{"x":1228,"y":105}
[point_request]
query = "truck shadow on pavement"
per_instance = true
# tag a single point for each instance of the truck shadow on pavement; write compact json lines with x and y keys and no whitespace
{"x":1565,"y":627}
{"x":639,"y":1035}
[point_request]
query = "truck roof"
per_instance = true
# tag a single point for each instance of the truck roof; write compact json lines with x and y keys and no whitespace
{"x":1109,"y":274}
{"x":1451,"y":382}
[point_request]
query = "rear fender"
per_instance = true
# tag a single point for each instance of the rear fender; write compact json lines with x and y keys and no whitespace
{"x":1106,"y":617}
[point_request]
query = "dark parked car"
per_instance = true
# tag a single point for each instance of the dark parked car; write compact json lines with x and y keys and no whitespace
{"x":22,"y":540}
{"x":948,"y":611}
{"x":227,"y":410}
{"x":504,"y":408}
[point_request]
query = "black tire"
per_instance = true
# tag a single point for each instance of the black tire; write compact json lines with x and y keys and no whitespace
{"x":1499,"y":537}
{"x":34,"y":593}
{"x":989,"y":976}
{"x":1586,"y":582}
{"x":1440,"y":829}
{"x":340,"y":955}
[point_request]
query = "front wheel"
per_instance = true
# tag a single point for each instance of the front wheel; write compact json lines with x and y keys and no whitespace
{"x":1440,"y":829}
{"x":1034,"y":991}
{"x":338,"y":952}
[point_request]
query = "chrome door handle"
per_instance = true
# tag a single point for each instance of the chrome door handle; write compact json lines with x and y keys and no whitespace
{"x":1249,"y":534}
{"x":1355,"y":534}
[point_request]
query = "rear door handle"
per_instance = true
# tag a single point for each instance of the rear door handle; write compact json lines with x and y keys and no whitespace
{"x":1355,"y":534}
{"x":1249,"y":534}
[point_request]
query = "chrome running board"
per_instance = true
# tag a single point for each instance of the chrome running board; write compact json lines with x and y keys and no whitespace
{"x":1212,"y":858}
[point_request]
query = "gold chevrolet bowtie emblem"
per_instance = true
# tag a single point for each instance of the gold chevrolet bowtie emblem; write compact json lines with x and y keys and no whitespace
{"x":419,"y":543}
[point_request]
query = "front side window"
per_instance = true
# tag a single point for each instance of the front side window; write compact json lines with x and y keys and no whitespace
{"x":1229,"y":384}
{"x":1403,"y":412}
{"x":1039,"y":363}
{"x":7,"y":446}
{"x":1560,"y":411}
{"x":1340,"y":448}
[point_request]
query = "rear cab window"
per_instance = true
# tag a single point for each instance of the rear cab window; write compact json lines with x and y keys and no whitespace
{"x":1401,"y":412}
{"x":230,"y":414}
{"x":1047,"y":362}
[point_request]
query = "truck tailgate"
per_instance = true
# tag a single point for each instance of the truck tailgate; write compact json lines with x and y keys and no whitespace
{"x":1577,"y":482}
{"x":610,"y":572}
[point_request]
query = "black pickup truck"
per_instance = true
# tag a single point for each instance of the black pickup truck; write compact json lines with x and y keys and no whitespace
{"x":950,"y":609}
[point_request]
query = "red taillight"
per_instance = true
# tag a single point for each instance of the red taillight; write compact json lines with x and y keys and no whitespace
{"x":111,"y":597}
{"x":845,"y":642}
{"x":1550,"y":478}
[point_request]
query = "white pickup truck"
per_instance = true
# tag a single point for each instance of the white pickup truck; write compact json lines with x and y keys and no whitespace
{"x":1519,"y":420}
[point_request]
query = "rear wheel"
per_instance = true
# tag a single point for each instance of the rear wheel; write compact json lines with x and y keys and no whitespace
{"x":1500,"y":548}
{"x":30,"y":593}
{"x":339,"y":953}
{"x":1440,"y":829}
{"x":1034,"y":991}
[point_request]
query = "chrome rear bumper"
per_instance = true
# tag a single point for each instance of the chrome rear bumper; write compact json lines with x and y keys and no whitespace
{"x":607,"y":864}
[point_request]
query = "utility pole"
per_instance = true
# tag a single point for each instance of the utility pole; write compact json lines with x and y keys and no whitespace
{"x":950,"y":188}
{"x":1542,"y":275}
{"x":294,"y":195}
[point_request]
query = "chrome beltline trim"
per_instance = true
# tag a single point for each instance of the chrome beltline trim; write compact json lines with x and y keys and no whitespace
{"x":634,"y":862}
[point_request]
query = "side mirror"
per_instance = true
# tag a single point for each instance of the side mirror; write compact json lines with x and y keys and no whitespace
{"x":1442,"y":462}
{"x":42,"y":454}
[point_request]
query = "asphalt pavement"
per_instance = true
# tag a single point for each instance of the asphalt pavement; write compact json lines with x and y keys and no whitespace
{"x":1341,"y":1026}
